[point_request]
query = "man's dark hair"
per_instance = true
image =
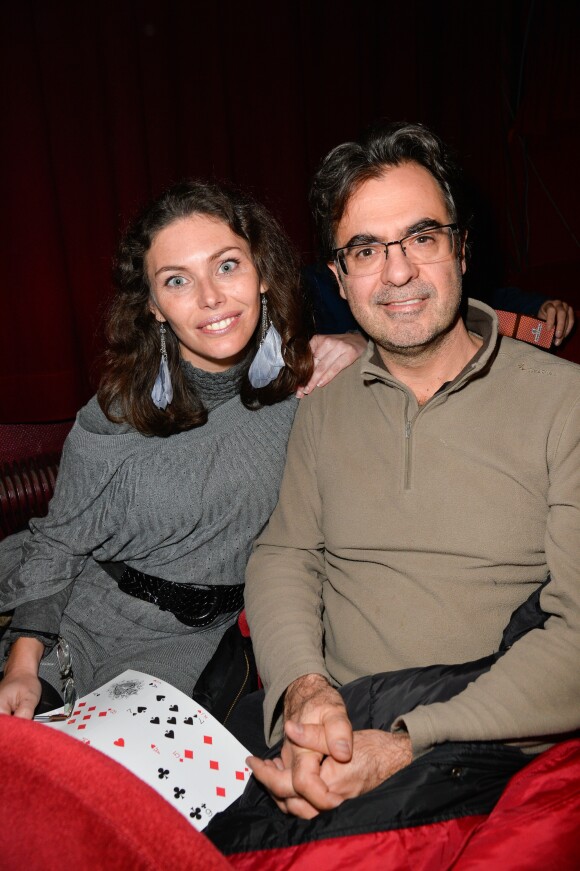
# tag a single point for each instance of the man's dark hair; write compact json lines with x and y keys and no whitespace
{"x":349,"y":165}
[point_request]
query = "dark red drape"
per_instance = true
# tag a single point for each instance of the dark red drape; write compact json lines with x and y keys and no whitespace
{"x":105,"y":103}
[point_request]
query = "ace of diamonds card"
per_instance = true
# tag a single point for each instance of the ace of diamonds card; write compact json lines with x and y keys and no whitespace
{"x":164,"y":738}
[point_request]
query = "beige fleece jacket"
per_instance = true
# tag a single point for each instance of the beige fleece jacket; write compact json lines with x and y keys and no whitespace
{"x":406,"y":536}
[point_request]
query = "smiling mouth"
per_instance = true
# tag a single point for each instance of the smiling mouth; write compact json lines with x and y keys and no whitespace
{"x":219,"y":326}
{"x":404,"y":303}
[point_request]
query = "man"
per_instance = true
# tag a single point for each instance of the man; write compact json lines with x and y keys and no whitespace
{"x":428,"y":492}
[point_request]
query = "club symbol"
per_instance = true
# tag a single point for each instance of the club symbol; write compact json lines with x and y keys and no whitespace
{"x":163,"y":772}
{"x":195,"y":813}
{"x":207,"y":810}
{"x":177,"y":792}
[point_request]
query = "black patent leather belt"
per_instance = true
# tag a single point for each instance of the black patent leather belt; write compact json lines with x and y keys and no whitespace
{"x":191,"y":604}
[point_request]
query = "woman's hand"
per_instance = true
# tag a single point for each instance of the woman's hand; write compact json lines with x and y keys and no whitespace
{"x":20,"y":688}
{"x":557,"y":314}
{"x":332,"y":354}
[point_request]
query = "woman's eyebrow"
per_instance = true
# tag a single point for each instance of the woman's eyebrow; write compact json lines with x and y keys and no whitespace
{"x":222,"y":251}
{"x":216,"y":256}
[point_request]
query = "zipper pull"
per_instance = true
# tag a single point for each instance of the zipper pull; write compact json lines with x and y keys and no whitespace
{"x":407,"y":429}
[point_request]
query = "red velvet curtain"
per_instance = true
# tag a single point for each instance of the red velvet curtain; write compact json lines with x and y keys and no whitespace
{"x":105,"y":103}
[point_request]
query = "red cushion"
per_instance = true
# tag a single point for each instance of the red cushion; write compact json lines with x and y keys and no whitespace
{"x":64,"y":805}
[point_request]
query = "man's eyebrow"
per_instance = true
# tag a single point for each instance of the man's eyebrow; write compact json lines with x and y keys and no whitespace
{"x":422,"y":224}
{"x":415,"y":227}
{"x":361,"y":239}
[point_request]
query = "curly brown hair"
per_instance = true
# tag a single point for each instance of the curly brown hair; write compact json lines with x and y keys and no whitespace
{"x":131,"y":361}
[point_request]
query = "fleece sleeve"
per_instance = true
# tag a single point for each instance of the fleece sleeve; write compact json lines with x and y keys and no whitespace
{"x":285,"y":576}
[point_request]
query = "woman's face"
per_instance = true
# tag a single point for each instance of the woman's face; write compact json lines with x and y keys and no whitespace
{"x":204,"y":284}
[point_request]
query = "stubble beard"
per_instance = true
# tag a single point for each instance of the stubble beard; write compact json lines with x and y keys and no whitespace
{"x":397,"y":333}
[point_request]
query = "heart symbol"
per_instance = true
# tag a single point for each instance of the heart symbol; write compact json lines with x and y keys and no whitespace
{"x":120,"y":742}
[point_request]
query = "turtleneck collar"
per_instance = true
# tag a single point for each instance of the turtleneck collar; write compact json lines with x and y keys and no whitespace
{"x":214,"y":388}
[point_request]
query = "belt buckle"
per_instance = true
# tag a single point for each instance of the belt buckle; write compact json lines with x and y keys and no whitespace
{"x":211,"y":612}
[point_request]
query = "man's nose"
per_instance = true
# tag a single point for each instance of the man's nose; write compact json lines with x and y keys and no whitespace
{"x":398,"y":269}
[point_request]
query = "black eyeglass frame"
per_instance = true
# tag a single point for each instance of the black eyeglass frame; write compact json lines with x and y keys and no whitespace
{"x":339,"y":259}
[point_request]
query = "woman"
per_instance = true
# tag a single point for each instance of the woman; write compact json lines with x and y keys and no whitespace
{"x":173,"y":469}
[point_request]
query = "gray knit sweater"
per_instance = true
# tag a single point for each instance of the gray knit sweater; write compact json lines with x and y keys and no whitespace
{"x":184,"y":508}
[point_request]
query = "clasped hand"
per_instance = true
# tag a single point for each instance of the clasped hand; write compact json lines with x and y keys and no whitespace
{"x":323,"y":762}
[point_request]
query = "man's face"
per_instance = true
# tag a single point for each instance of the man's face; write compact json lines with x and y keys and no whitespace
{"x":406,"y":307}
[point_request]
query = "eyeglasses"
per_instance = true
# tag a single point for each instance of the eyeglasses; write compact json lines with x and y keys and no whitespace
{"x":64,"y":658}
{"x":428,"y":246}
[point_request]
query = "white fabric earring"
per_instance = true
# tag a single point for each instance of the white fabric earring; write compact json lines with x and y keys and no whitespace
{"x":162,"y":392}
{"x":268,"y":360}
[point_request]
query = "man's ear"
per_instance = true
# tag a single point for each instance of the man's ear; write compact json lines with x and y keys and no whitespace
{"x":332,"y":266}
{"x":463,"y":253}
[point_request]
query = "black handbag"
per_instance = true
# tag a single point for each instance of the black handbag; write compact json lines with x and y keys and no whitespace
{"x":230,"y":675}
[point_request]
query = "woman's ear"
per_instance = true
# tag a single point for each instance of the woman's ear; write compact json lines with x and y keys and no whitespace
{"x":154,"y":309}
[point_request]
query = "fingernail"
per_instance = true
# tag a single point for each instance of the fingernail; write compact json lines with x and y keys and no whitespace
{"x":343,"y":745}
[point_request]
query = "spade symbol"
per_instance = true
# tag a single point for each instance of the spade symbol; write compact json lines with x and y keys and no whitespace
{"x":154,"y":720}
{"x":170,"y":733}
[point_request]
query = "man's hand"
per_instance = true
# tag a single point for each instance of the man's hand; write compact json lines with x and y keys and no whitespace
{"x":557,"y":314}
{"x":376,"y":757}
{"x":332,"y":354}
{"x":294,"y":780}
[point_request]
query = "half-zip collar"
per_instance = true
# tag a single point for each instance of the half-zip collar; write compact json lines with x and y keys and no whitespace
{"x":481,"y":319}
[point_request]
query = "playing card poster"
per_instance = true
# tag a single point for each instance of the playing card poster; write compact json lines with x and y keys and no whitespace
{"x":166,"y":739}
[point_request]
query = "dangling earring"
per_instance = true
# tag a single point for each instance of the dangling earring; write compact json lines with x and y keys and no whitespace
{"x":162,"y":392}
{"x":268,"y":360}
